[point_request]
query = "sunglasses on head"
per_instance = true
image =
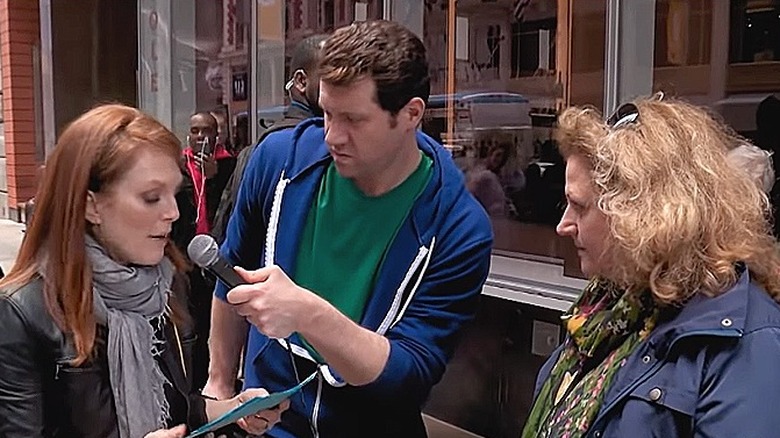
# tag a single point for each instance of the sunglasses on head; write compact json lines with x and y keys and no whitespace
{"x":625,"y":114}
{"x":628,"y":113}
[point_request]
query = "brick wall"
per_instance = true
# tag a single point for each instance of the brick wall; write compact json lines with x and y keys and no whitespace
{"x":19,"y":33}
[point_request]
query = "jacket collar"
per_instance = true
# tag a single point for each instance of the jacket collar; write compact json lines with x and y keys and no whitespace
{"x":298,"y":110}
{"x":310,"y":151}
{"x":722,"y":315}
{"x":435,"y":208}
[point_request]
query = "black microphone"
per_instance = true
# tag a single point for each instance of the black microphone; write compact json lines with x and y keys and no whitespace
{"x":204,"y":252}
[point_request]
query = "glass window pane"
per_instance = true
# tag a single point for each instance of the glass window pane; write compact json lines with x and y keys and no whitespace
{"x":755,"y":31}
{"x":754,"y":78}
{"x":195,"y":58}
{"x":519,"y":66}
{"x":736,"y":73}
{"x":301,"y":19}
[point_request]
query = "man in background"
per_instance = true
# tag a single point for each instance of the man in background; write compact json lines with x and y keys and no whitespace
{"x":304,"y":90}
{"x":206,"y":168}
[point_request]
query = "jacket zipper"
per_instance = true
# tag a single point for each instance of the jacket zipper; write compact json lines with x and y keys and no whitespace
{"x":413,"y":291}
{"x":657,"y":365}
{"x":394,"y":307}
{"x":273,"y":224}
{"x":391,"y":318}
{"x":315,"y":413}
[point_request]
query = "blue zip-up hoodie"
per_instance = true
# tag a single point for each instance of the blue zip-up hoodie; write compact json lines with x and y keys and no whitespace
{"x":712,"y":371}
{"x":425,"y":291}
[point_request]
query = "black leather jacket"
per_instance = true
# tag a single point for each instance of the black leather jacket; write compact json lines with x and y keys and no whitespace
{"x":43,"y":395}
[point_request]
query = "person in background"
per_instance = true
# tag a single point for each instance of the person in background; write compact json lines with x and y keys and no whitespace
{"x":240,"y":134}
{"x":768,"y":125}
{"x":223,"y":130}
{"x":489,"y":183}
{"x":96,"y":339}
{"x":678,"y":332}
{"x":367,"y":252}
{"x":206,"y":169}
{"x":304,"y":91}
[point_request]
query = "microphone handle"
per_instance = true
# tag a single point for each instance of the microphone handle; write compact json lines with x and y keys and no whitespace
{"x":226,"y":273}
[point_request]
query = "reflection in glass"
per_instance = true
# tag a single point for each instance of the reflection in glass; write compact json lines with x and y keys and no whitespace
{"x":517,"y":64}
{"x":755,"y":31}
{"x":737,"y":74}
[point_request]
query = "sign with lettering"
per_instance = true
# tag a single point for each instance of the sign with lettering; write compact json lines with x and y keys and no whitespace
{"x":240,"y":86}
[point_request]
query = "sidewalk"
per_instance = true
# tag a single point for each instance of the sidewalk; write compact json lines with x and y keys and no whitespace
{"x":10,"y":238}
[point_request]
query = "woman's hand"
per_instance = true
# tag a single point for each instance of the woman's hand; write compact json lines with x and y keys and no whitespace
{"x":256,"y":424}
{"x":260,"y":422}
{"x":177,"y":432}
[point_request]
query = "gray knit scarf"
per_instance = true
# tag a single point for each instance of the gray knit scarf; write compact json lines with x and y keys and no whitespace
{"x":126,"y":300}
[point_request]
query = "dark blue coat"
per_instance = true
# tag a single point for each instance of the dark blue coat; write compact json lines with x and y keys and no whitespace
{"x":711,"y":371}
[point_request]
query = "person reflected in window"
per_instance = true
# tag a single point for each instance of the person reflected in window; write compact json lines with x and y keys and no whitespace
{"x":544,"y":190}
{"x":223,"y":130}
{"x":240,"y":135}
{"x":484,"y":182}
{"x":677,"y":334}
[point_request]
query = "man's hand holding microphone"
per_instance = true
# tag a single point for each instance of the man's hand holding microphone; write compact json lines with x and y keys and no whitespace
{"x":204,"y":252}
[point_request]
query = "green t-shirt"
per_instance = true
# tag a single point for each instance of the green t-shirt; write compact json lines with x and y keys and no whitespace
{"x":347,"y":235}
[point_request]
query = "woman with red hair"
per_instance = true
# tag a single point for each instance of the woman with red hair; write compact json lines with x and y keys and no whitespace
{"x":96,"y":340}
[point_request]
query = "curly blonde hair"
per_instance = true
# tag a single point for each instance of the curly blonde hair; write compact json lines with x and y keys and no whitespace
{"x":680,"y":214}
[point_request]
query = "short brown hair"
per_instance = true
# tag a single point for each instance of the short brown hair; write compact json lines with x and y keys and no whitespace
{"x":384,"y":51}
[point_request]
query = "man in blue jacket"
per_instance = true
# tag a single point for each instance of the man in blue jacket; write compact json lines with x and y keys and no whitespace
{"x":371,"y":253}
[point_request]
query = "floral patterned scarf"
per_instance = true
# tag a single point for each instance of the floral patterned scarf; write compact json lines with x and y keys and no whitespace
{"x":605,"y":325}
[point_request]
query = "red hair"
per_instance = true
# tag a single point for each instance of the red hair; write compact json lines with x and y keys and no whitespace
{"x":92,"y":153}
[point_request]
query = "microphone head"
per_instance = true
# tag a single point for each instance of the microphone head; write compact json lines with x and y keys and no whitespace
{"x":203,"y":250}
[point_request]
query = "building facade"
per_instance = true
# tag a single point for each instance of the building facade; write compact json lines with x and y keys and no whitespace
{"x":501,"y":72}
{"x":19,"y":58}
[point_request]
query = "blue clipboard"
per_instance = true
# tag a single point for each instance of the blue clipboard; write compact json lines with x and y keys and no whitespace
{"x":250,"y":407}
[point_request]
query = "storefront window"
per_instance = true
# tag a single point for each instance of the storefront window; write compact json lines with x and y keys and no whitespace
{"x":198,"y":57}
{"x":275,"y":44}
{"x":754,"y":42}
{"x":731,"y":72}
{"x":755,"y":31}
{"x":516,"y":65}
{"x":191,"y":57}
{"x":683,"y":46}
{"x":501,"y":73}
